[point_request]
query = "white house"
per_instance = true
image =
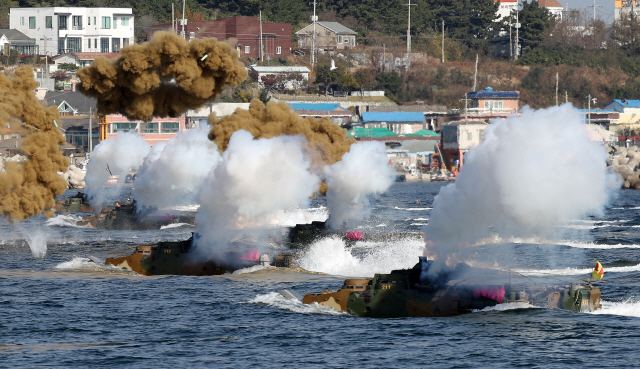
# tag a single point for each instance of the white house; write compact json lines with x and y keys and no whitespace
{"x":506,"y":7}
{"x":554,"y":7}
{"x":75,"y":29}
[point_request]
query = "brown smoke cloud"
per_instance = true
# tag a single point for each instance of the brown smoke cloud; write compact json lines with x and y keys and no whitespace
{"x":327,"y":141}
{"x":28,"y":188}
{"x":163,"y":77}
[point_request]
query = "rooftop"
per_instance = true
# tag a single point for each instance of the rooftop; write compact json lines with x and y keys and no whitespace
{"x":333,"y":26}
{"x":394,"y":116}
{"x":283,"y":69}
{"x":315,"y":107}
{"x":371,"y":132}
{"x":489,"y":93}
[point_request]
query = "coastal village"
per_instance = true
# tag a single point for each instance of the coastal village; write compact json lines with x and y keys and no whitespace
{"x":425,"y":142}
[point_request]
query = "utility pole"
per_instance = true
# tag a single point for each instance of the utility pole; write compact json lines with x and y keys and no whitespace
{"x":409,"y":5}
{"x":314,"y":19}
{"x":384,"y":57}
{"x":261,"y":46}
{"x":517,"y":31}
{"x":566,"y":97}
{"x":183,"y":20}
{"x":442,"y":51}
{"x":475,"y":75}
{"x":90,"y":134}
{"x":46,"y":59}
{"x":510,"y":38}
{"x":556,"y":88}
{"x":589,"y":104}
{"x":594,"y":6}
{"x":173,"y":18}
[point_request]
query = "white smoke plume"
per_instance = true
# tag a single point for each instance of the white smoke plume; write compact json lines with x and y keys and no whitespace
{"x":123,"y":152}
{"x":530,"y":174}
{"x":174,"y":170}
{"x":254,"y":179}
{"x":363,"y":171}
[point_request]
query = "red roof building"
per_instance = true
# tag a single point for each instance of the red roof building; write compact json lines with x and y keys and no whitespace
{"x":276,"y":37}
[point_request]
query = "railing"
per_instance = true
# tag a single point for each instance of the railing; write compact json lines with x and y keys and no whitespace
{"x":77,"y":28}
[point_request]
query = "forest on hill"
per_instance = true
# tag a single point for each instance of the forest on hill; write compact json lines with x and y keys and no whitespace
{"x":588,"y":56}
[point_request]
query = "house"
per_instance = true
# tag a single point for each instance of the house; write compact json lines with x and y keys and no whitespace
{"x":79,"y":59}
{"x":71,"y":103}
{"x":154,"y":131}
{"x":245,"y":31}
{"x":629,"y":115}
{"x":434,"y":114}
{"x":12,"y":39}
{"x":60,"y":30}
{"x":330,"y":36}
{"x":294,"y":77}
{"x":554,"y":7}
{"x":198,"y":118}
{"x":400,"y":123}
{"x":458,"y":137}
{"x":488,"y":104}
{"x":625,"y":7}
{"x":506,"y":7}
{"x":333,"y":111}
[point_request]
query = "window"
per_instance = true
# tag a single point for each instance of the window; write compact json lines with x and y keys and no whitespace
{"x":493,"y":105}
{"x":339,"y":39}
{"x":469,"y":136}
{"x":48,"y":20}
{"x":115,"y":22}
{"x":150,"y":127}
{"x":88,"y":21}
{"x":95,"y":43}
{"x":106,"y":22}
{"x":125,"y":42}
{"x":74,"y":44}
{"x":104,"y":44}
{"x":88,"y":43}
{"x":170,"y":127}
{"x":22,"y":21}
{"x":247,"y":49}
{"x":95,"y":23}
{"x":76,"y":20}
{"x":278,"y":50}
{"x":32,"y":22}
{"x":62,"y":22}
{"x":126,"y":127}
{"x":125,"y":21}
{"x":115,"y":45}
{"x":61,"y":46}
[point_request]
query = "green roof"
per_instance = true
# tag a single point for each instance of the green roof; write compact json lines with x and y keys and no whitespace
{"x":424,"y":132}
{"x":371,"y":132}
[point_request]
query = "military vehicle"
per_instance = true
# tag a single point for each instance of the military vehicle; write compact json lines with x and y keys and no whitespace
{"x":302,"y":235}
{"x":175,"y":258}
{"x":125,"y":216}
{"x":412,"y":293}
{"x":77,"y":203}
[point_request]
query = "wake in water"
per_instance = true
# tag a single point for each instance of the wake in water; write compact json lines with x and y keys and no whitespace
{"x":508,"y":306}
{"x":65,"y":220}
{"x":629,"y":307}
{"x":574,"y":271}
{"x":331,"y":255}
{"x":276,"y":300}
{"x":82,"y":263}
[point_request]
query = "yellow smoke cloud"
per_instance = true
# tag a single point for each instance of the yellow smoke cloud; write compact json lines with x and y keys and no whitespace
{"x":30,"y":187}
{"x":163,"y":77}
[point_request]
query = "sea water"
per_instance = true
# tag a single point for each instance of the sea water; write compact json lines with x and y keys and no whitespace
{"x":61,"y":310}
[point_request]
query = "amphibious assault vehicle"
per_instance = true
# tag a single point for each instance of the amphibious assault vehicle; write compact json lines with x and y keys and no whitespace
{"x":412,"y":293}
{"x":175,"y":258}
{"x":77,"y":203}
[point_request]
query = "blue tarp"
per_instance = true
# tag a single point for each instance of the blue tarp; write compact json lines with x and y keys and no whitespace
{"x":393,"y":116}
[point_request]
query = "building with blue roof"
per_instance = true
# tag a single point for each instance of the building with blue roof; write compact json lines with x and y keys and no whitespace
{"x":629,"y":115}
{"x":488,"y":104}
{"x":336,"y":113}
{"x":400,"y":122}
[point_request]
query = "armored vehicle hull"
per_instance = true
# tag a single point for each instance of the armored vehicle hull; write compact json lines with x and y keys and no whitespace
{"x":75,"y":204}
{"x":403,"y":293}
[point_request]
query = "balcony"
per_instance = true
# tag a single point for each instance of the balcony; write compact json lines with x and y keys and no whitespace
{"x":77,"y":28}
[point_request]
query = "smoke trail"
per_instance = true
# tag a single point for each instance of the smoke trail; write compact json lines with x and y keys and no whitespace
{"x":363,"y":171}
{"x":30,"y":187}
{"x":173,"y":171}
{"x":255,"y":179}
{"x":326,"y":142}
{"x":531,"y":173}
{"x":122,"y":153}
{"x":163,"y":77}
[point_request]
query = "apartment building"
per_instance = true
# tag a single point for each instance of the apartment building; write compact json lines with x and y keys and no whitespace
{"x":60,"y":30}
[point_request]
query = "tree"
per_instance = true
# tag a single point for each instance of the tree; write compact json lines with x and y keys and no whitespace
{"x":390,"y":82}
{"x":534,"y":22}
{"x":366,"y":79}
{"x":69,"y":67}
{"x":60,"y":75}
{"x":626,"y":33}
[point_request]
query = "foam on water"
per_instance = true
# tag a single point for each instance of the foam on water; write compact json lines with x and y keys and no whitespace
{"x":176,"y":225}
{"x":412,"y":209}
{"x":289,"y":218}
{"x":65,"y":220}
{"x":629,"y":307}
{"x":508,"y":306}
{"x":574,"y":271}
{"x":82,"y":263}
{"x":588,"y":245}
{"x":276,"y":300}
{"x":251,"y":269}
{"x":37,"y":241}
{"x":331,"y":256}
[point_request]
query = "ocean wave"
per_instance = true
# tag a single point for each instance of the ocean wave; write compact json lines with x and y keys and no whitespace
{"x":176,"y":225}
{"x":575,"y":271}
{"x":276,"y":300}
{"x":412,"y":209}
{"x":65,"y":220}
{"x":629,"y":307}
{"x":508,"y":306}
